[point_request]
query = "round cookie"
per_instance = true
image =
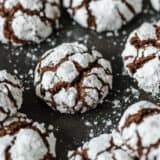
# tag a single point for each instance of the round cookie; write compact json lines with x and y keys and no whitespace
{"x":156,"y":4}
{"x":23,"y":139}
{"x":106,"y":147}
{"x":140,"y":128}
{"x":100,"y":15}
{"x":10,"y":95}
{"x":71,"y":78}
{"x":141,"y":57}
{"x":24,"y":22}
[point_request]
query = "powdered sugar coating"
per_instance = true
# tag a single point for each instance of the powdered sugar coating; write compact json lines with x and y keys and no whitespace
{"x":100,"y":15}
{"x":21,"y":138}
{"x":139,"y":127}
{"x":25,"y":22}
{"x":141,"y":57}
{"x":105,"y":146}
{"x":10,"y":95}
{"x":70,"y":78}
{"x":156,"y":4}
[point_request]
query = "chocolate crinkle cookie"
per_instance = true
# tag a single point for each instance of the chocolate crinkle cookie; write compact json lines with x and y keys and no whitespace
{"x":104,"y":147}
{"x":102,"y":15}
{"x":10,"y":95}
{"x":71,"y":78}
{"x":156,"y":4}
{"x":27,"y":21}
{"x":24,"y":139}
{"x":141,"y":57}
{"x":140,"y":128}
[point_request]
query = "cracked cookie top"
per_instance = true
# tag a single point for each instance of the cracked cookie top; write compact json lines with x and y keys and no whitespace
{"x":100,"y":15}
{"x":105,"y":146}
{"x":71,"y":78}
{"x":139,"y":128}
{"x":141,"y":57}
{"x":25,"y":22}
{"x":22,"y":138}
{"x":10,"y":95}
{"x":156,"y":4}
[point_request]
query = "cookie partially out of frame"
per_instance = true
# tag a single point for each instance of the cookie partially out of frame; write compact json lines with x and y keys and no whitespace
{"x":103,"y":147}
{"x":71,"y":78}
{"x":24,"y":139}
{"x":141,"y":57}
{"x":140,"y":128}
{"x":156,"y":4}
{"x":103,"y":15}
{"x":25,"y":22}
{"x":10,"y":95}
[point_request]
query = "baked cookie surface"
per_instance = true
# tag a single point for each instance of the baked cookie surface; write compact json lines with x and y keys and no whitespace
{"x":71,"y":78}
{"x":139,"y":128}
{"x":24,"y":139}
{"x":103,"y":15}
{"x":105,"y":146}
{"x":10,"y":95}
{"x":26,"y":22}
{"x":141,"y":57}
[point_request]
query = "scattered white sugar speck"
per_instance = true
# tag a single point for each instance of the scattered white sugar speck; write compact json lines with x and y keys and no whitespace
{"x":109,"y":34}
{"x":88,"y":124}
{"x":91,"y":134}
{"x":50,"y":127}
{"x":117,"y":104}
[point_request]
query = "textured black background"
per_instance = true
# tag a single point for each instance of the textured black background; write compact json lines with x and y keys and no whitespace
{"x":71,"y":130}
